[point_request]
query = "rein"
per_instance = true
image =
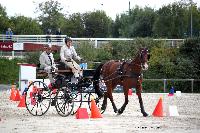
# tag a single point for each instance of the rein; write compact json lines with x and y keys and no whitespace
{"x":120,"y":72}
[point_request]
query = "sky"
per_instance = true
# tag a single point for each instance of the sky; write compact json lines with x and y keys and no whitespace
{"x":111,"y":7}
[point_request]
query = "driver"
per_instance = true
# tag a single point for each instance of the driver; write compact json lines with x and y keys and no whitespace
{"x":47,"y":62}
{"x":68,"y":54}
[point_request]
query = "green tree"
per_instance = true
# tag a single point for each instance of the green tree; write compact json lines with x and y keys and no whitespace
{"x":74,"y":25}
{"x":115,"y":27}
{"x":25,"y":26}
{"x":190,"y":54}
{"x":50,"y":15}
{"x":97,"y":24}
{"x":138,"y":23}
{"x":173,"y":21}
{"x":4,"y":20}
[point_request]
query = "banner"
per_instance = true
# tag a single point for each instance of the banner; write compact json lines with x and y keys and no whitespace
{"x":18,"y":46}
{"x":6,"y":46}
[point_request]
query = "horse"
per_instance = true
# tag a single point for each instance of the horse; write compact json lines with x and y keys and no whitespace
{"x":125,"y":73}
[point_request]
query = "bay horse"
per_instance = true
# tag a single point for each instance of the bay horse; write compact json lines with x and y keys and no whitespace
{"x":128,"y":74}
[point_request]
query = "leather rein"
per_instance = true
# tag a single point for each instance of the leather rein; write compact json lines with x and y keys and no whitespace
{"x":122,"y":74}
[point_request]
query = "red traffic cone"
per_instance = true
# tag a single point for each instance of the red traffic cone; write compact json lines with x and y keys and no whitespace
{"x":130,"y":92}
{"x":158,"y":111}
{"x":17,"y":96}
{"x":95,"y":113}
{"x":12,"y":94}
{"x":82,"y":113}
{"x":22,"y":102}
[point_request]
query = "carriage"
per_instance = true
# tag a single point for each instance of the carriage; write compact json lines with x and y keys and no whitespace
{"x":67,"y":94}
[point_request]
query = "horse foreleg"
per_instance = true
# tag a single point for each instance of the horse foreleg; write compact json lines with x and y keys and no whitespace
{"x":141,"y":104}
{"x":112,"y":101}
{"x":121,"y":110}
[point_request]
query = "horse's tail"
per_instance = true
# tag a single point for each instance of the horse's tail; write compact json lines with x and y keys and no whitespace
{"x":96,"y":81}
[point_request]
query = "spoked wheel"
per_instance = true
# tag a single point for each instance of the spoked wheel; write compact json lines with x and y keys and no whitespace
{"x":37,"y":98}
{"x":98,"y":101}
{"x":64,"y":102}
{"x":77,"y":98}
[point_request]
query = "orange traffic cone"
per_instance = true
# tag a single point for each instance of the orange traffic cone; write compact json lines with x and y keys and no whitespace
{"x":82,"y":113}
{"x":12,"y":94}
{"x":17,"y":96}
{"x":22,"y":102}
{"x":158,"y":111}
{"x":95,"y":113}
{"x":130,"y":92}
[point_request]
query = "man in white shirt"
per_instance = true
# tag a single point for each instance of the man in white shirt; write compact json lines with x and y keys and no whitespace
{"x":47,"y":62}
{"x":68,"y":54}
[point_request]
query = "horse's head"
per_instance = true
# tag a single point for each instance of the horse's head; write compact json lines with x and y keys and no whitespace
{"x":144,"y":57}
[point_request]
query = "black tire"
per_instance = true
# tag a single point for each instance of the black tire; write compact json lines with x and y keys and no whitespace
{"x":37,"y":98}
{"x":64,"y":102}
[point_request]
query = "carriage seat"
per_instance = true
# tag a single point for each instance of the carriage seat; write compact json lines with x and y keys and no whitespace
{"x":61,"y":69}
{"x":40,"y":73}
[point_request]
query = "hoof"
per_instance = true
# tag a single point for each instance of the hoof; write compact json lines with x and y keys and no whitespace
{"x":145,"y":114}
{"x":103,"y":107}
{"x":119,"y":112}
{"x":102,"y":111}
{"x":116,"y":111}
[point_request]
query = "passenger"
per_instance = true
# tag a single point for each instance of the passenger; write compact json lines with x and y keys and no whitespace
{"x":68,"y":55}
{"x":47,"y":62}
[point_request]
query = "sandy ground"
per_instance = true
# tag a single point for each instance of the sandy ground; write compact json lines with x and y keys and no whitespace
{"x":18,"y":120}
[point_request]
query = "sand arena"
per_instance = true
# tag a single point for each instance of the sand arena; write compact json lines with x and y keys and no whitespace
{"x":18,"y":120}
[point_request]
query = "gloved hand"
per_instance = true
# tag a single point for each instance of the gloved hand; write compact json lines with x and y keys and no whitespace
{"x":68,"y":60}
{"x":53,"y":69}
{"x":82,"y":60}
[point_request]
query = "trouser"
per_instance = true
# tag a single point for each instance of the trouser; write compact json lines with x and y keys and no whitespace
{"x":76,"y":69}
{"x":49,"y":71}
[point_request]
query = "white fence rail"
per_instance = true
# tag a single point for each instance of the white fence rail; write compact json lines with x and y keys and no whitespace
{"x":59,"y":40}
{"x":56,"y":38}
{"x":174,"y":80}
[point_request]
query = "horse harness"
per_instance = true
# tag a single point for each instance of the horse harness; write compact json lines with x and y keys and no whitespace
{"x":121,"y":72}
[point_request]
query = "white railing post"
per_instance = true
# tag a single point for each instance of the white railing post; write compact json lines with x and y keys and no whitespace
{"x":192,"y":85}
{"x":95,"y":45}
{"x":13,"y":54}
{"x":164,"y":89}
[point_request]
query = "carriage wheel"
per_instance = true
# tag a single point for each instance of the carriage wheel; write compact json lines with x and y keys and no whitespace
{"x":98,"y":101}
{"x":77,"y":98}
{"x":64,"y":102}
{"x":37,"y":98}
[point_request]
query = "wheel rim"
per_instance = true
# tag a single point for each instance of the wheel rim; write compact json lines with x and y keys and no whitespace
{"x":37,"y":98}
{"x":64,"y":103}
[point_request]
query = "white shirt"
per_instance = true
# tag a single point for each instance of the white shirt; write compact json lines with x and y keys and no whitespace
{"x":68,"y":53}
{"x":46,"y":60}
